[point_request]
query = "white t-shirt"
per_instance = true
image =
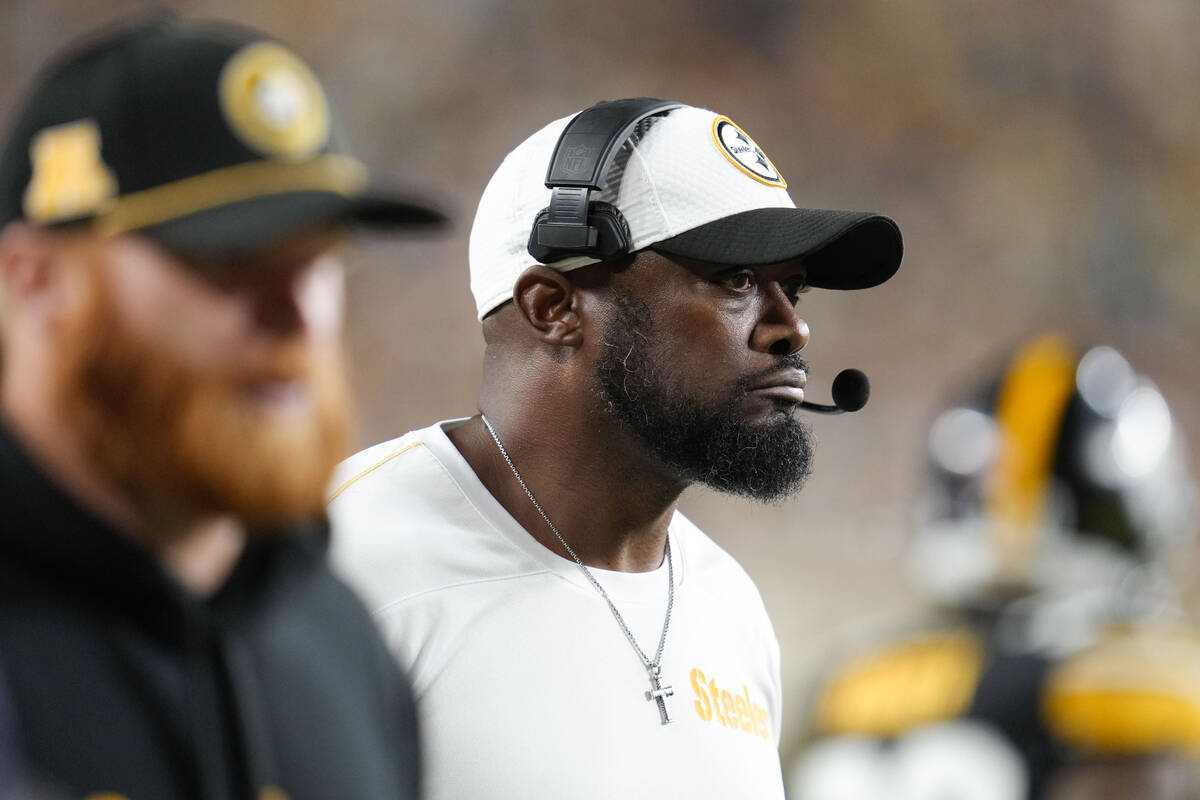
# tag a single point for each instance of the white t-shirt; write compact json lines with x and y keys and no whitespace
{"x":526,"y":686}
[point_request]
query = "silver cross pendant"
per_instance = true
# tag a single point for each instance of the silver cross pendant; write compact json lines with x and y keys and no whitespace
{"x":659,"y":692}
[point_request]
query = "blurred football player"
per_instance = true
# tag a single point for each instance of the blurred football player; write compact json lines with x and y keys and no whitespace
{"x":1057,"y":663}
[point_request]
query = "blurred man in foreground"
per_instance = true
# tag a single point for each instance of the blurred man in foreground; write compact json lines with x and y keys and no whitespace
{"x":173,"y":403}
{"x":1057,"y":663}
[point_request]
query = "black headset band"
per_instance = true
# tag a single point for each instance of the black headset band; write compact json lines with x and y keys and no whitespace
{"x":578,"y":166}
{"x":590,"y":142}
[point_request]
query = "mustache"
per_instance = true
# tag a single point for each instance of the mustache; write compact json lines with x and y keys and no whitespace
{"x":293,"y":361}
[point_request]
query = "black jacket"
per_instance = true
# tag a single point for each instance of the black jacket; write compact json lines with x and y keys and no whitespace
{"x":122,"y":681}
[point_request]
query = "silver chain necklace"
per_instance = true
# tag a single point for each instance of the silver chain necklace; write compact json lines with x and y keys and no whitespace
{"x":658,"y":692}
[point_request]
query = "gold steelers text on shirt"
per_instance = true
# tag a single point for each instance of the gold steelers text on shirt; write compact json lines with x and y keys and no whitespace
{"x":730,"y":709}
{"x":273,"y":102}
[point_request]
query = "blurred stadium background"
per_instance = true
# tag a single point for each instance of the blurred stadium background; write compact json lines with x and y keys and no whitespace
{"x":1042,"y":159}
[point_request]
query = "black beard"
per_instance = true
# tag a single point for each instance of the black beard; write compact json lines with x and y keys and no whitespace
{"x":711,"y":444}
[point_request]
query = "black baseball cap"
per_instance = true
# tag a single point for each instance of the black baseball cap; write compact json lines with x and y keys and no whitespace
{"x":842,"y":249}
{"x":211,"y":138}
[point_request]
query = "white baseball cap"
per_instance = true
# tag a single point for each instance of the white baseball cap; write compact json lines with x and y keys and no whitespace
{"x":691,"y":183}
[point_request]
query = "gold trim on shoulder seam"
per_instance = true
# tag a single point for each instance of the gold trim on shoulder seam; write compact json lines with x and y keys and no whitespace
{"x":371,"y":469}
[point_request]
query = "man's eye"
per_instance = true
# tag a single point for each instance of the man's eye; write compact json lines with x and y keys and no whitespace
{"x":794,"y":289}
{"x":740,"y":281}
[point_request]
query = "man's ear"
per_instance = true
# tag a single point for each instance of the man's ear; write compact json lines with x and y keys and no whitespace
{"x":29,"y":279}
{"x":548,"y":301}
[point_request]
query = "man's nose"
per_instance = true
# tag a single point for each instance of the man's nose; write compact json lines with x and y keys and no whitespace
{"x":780,"y":331}
{"x":306,"y":301}
{"x":276,"y":305}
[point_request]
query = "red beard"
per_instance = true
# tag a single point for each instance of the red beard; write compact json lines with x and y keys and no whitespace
{"x":176,"y":439}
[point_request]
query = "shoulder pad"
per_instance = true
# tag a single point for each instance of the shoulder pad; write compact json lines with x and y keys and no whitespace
{"x":902,"y":685}
{"x":1136,"y":691}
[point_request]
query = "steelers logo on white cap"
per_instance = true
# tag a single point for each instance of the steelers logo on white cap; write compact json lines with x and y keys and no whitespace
{"x":737,"y":146}
{"x":273,"y":102}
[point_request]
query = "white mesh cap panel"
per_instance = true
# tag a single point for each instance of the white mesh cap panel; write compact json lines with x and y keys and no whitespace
{"x":684,"y":181}
{"x":497,"y":252}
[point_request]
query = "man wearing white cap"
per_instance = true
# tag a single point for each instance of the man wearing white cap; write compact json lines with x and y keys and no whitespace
{"x":569,"y":633}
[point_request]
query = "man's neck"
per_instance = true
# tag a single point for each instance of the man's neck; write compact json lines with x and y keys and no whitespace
{"x":609,"y":501}
{"x":199,"y":550}
{"x":203,"y":558}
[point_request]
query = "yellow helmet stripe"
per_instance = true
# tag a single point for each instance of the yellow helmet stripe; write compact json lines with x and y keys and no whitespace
{"x":1029,"y":413}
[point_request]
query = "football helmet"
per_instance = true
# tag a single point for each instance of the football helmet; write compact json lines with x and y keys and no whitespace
{"x":1064,"y":469}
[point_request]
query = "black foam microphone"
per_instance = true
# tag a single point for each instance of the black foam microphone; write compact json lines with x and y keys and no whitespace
{"x":851,"y":390}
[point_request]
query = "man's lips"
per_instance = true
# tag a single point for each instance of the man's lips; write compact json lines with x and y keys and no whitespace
{"x":276,"y":391}
{"x":786,"y":384}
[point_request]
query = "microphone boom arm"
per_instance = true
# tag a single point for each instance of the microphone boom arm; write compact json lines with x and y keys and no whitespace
{"x":850,"y":390}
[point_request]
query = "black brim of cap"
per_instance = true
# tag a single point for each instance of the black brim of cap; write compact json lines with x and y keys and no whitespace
{"x":842,"y":249}
{"x":248,"y":226}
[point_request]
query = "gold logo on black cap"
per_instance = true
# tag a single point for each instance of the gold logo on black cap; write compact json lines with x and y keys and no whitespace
{"x":737,"y":146}
{"x":70,"y":179}
{"x":273,"y":102}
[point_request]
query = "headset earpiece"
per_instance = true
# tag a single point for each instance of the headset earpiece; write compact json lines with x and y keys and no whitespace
{"x":611,"y":240}
{"x":573,"y":225}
